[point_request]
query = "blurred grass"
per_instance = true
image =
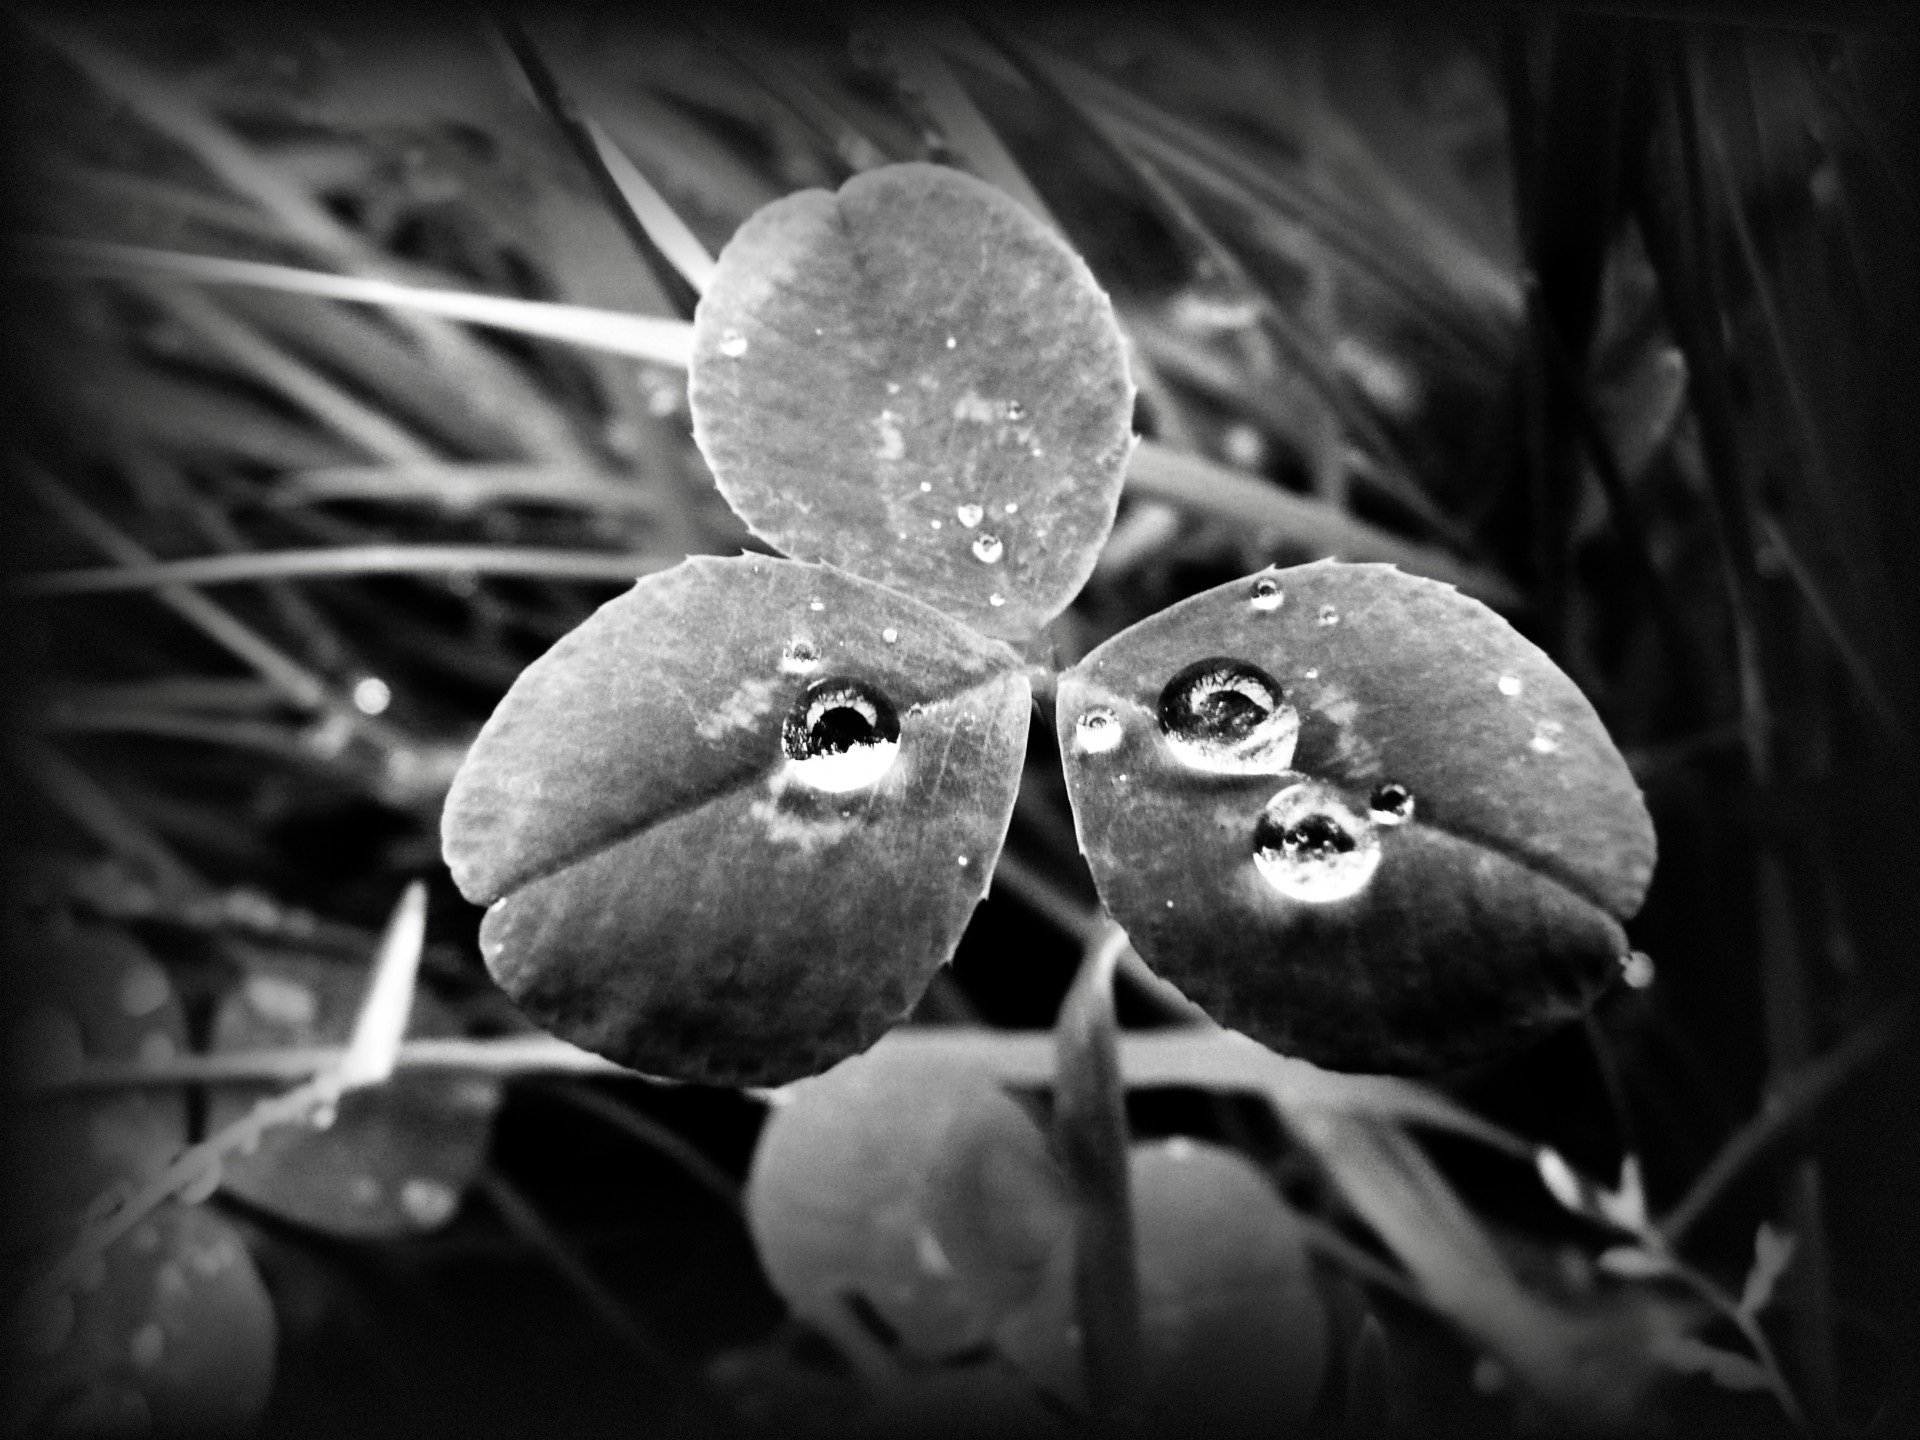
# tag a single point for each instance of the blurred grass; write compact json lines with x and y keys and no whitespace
{"x":1604,"y":320}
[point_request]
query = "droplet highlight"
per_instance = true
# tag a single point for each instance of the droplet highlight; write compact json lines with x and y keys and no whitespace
{"x":890,"y":635}
{"x":987,"y":549}
{"x":842,"y":735}
{"x":1509,"y":684}
{"x":1391,"y":804}
{"x":996,"y":599}
{"x":1546,"y":737}
{"x":799,"y":657}
{"x":1267,"y":594}
{"x":1097,"y":731}
{"x":1328,"y":615}
{"x":1309,"y":846}
{"x":1637,"y":969}
{"x":732,"y":344}
{"x":969,"y":515}
{"x":1227,"y":717}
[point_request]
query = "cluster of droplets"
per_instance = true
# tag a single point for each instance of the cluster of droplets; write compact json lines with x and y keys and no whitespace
{"x":1311,"y":847}
{"x":1227,"y":717}
{"x":841,"y":735}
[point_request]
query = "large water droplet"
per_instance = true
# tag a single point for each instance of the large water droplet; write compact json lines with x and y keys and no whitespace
{"x":1310,"y":847}
{"x":1228,"y":717}
{"x":799,"y":657}
{"x":1509,"y":684}
{"x":969,"y":515}
{"x":842,"y":735}
{"x":987,"y":548}
{"x":1267,"y":594}
{"x":732,"y":344}
{"x":1391,"y":804}
{"x":1097,"y":731}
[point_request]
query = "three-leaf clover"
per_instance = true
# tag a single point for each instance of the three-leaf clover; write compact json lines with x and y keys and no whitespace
{"x":729,"y":828}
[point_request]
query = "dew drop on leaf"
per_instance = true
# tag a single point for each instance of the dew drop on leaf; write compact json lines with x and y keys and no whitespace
{"x":1546,"y":738}
{"x":987,"y":549}
{"x":890,"y":635}
{"x":1636,"y":969}
{"x":1267,"y":594}
{"x":1016,"y":411}
{"x":1328,"y":615}
{"x":799,"y":657}
{"x":842,"y":735}
{"x":996,"y":599}
{"x":733,"y":344}
{"x":1097,"y":731}
{"x":1310,"y":847}
{"x":1391,"y":804}
{"x":969,"y":515}
{"x":1227,"y":717}
{"x":1509,"y":684}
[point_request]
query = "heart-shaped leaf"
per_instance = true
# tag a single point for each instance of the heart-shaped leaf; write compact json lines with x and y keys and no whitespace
{"x":1233,"y":1330}
{"x":730,"y":826}
{"x":398,"y":1155}
{"x":1355,"y":814}
{"x":173,"y":1334}
{"x":917,"y":380}
{"x":915,"y":1183}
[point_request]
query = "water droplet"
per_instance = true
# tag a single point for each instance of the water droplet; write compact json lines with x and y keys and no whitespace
{"x":371,"y":696}
{"x":428,"y":1203}
{"x":996,"y":599}
{"x":1546,"y":737}
{"x":148,"y":1345}
{"x":951,"y":342}
{"x":987,"y":548}
{"x":1328,"y":615}
{"x":816,"y":605}
{"x":1509,"y":684}
{"x":324,"y":1115}
{"x":1012,"y":507}
{"x":964,"y":862}
{"x":1391,"y":804}
{"x":1097,"y":731}
{"x":1267,"y":594}
{"x":969,"y":515}
{"x":1015,"y":410}
{"x":926,"y":487}
{"x":842,"y":735}
{"x":1637,"y":969}
{"x":1229,"y":718}
{"x":890,"y":635}
{"x":144,"y":989}
{"x":1310,"y":847}
{"x":732,"y":344}
{"x":934,"y":523}
{"x":799,"y":657}
{"x":1313,"y":674}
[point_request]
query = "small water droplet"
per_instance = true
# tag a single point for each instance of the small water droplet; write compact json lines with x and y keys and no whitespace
{"x":428,"y":1203}
{"x":934,"y":523}
{"x":371,"y":696}
{"x":1267,"y":594}
{"x":1328,"y":615}
{"x":1637,"y":969}
{"x":951,"y":342}
{"x":969,"y":515}
{"x":1509,"y":684}
{"x":1310,"y":847}
{"x":799,"y":657}
{"x":1097,"y":731}
{"x":996,"y":599}
{"x":1227,"y":717}
{"x":1012,"y":507}
{"x":987,"y":548}
{"x":732,"y":344}
{"x":926,"y":487}
{"x":1391,"y":804}
{"x":1015,"y":410}
{"x":148,"y":1345}
{"x":1546,"y":737}
{"x":816,"y":605}
{"x":842,"y":735}
{"x":890,"y":635}
{"x":964,"y":862}
{"x":1313,"y":674}
{"x":893,"y":387}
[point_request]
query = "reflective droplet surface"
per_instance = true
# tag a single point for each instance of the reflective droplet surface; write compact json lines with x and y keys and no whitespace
{"x":733,"y":344}
{"x":1097,"y":731}
{"x":969,"y":515}
{"x":1328,"y":615}
{"x":1311,"y":847}
{"x":1546,"y":737}
{"x":1267,"y":594}
{"x":996,"y":599}
{"x":1509,"y":684}
{"x":1391,"y":804}
{"x":987,"y":549}
{"x":799,"y":657}
{"x":1015,"y":410}
{"x":890,"y":635}
{"x":1229,"y":718}
{"x":1637,"y":969}
{"x":842,"y":735}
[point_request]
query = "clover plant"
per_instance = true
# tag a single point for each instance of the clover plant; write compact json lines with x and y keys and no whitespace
{"x":728,"y":829}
